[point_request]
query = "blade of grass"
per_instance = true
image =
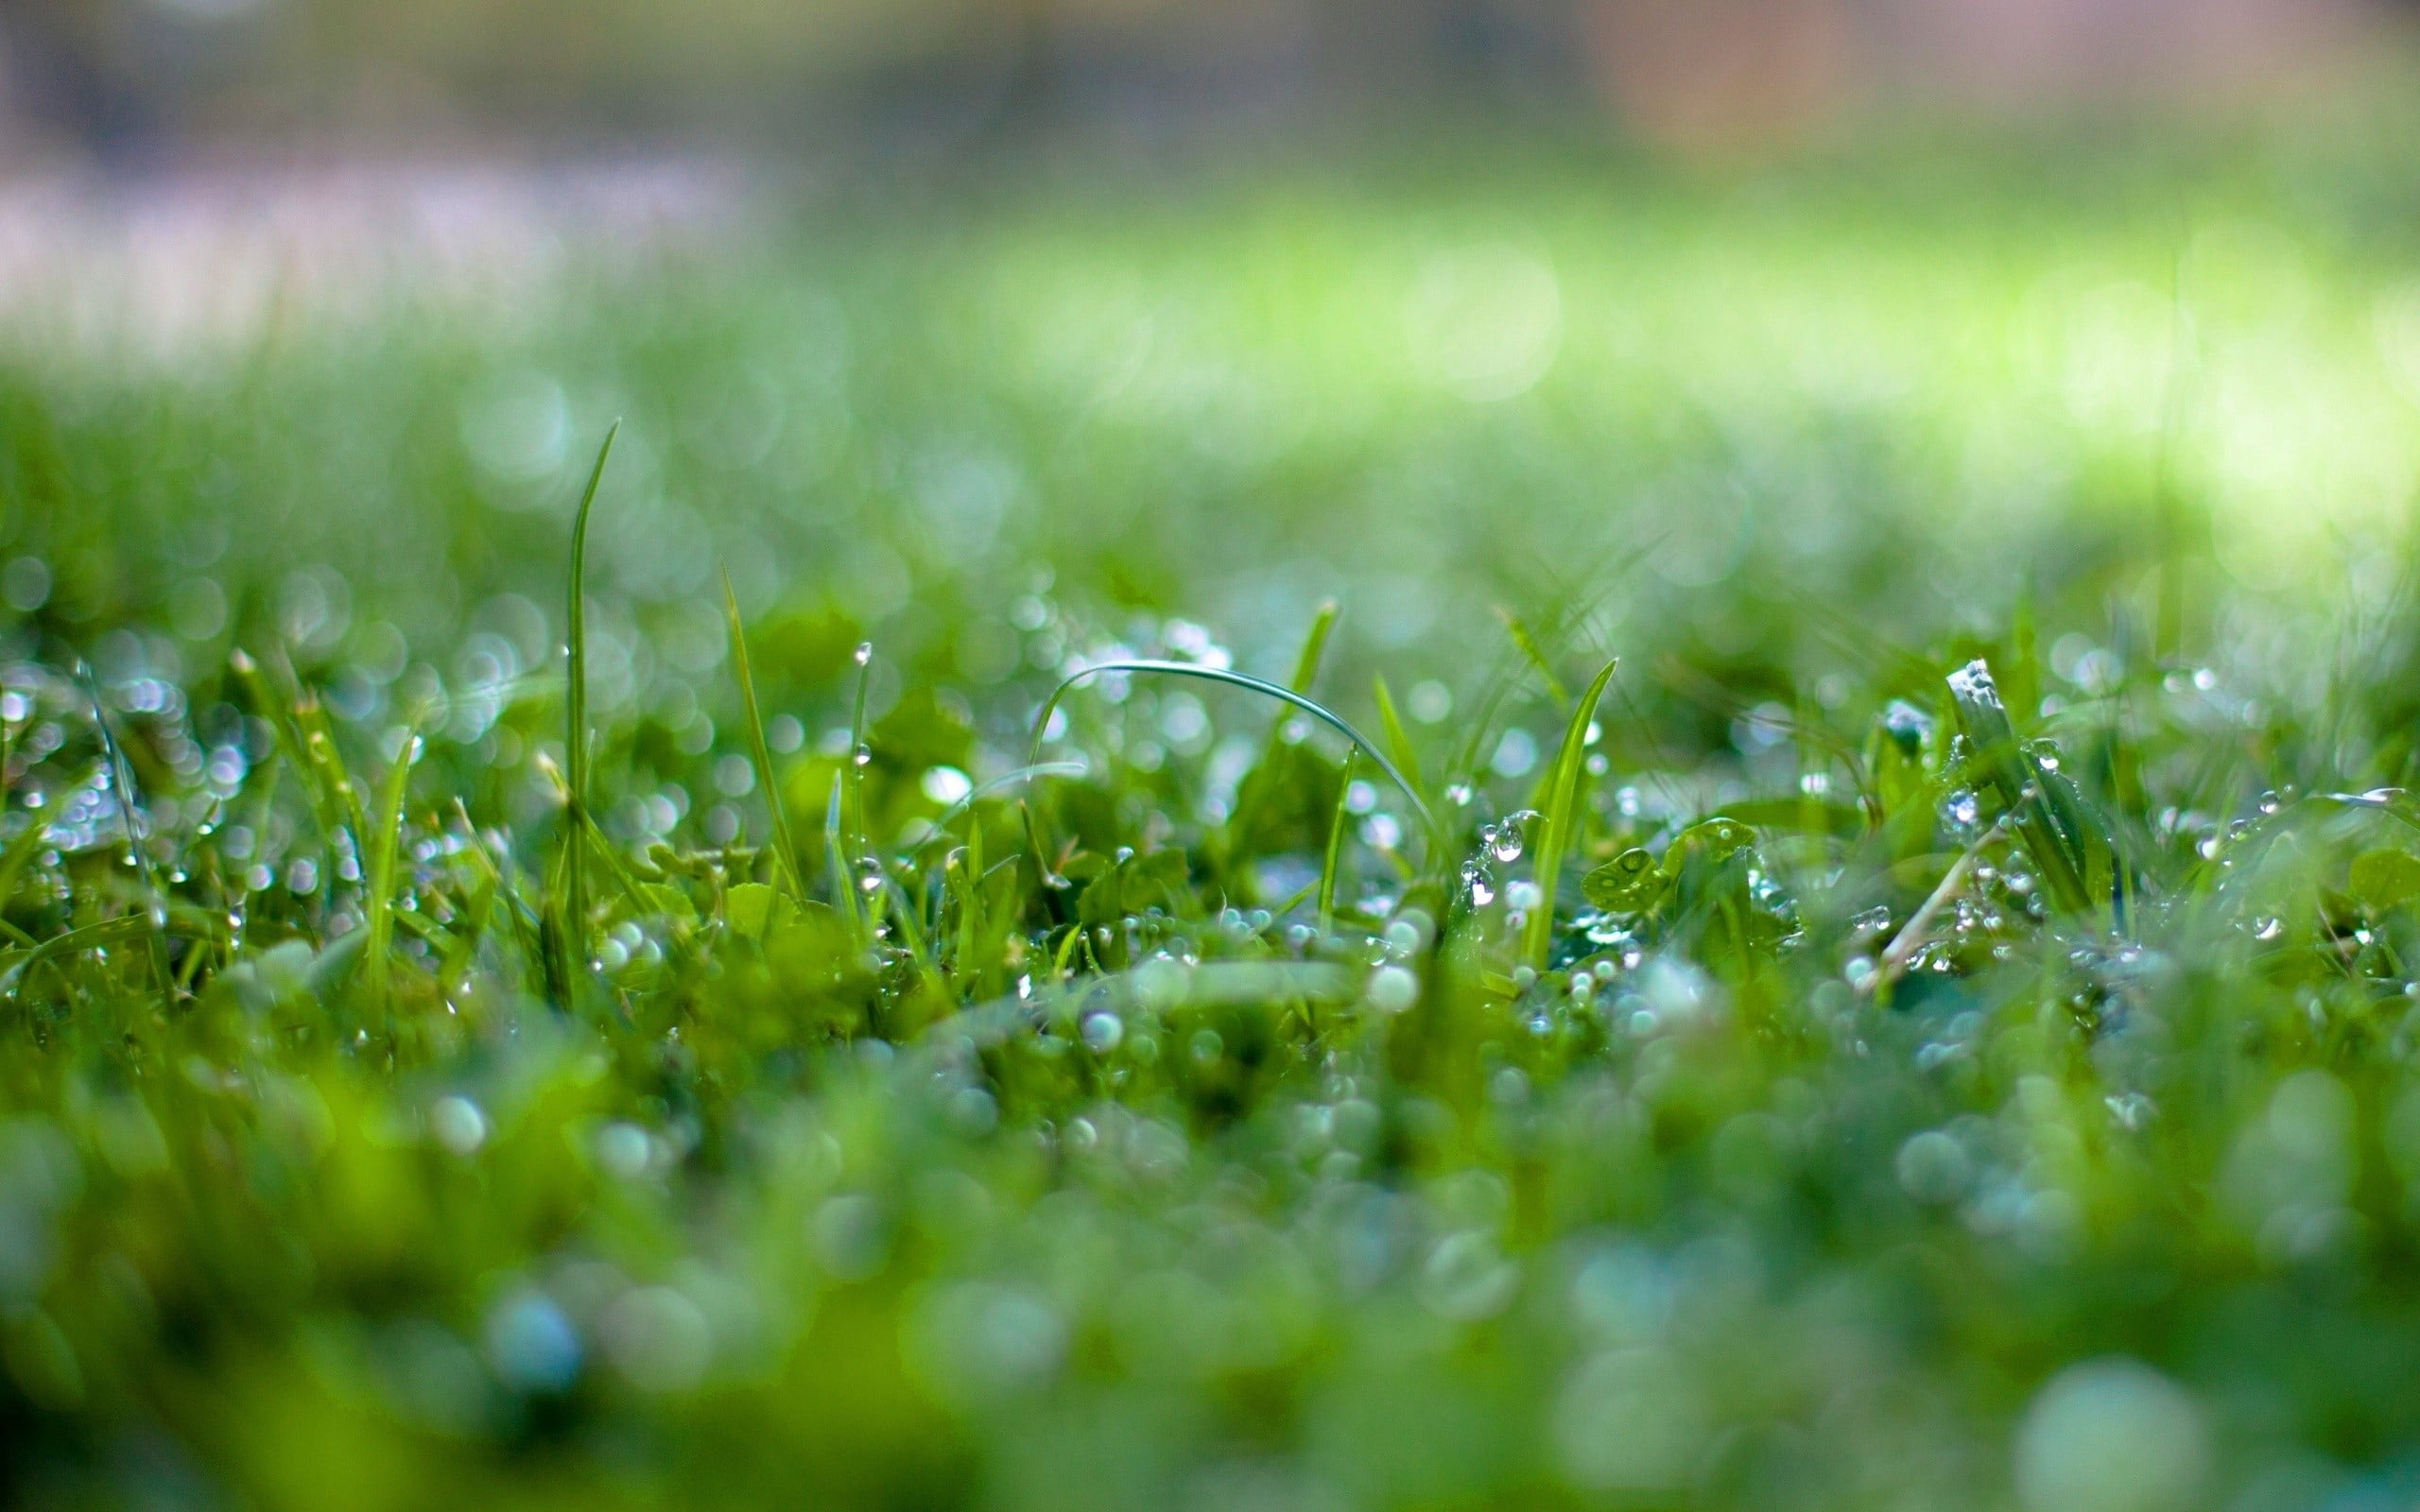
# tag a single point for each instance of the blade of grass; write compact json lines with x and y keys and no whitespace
{"x":1912,"y":936}
{"x":1533,"y":653}
{"x":1306,"y":664}
{"x":122,"y":779}
{"x":1398,"y":738}
{"x":839,"y":875}
{"x":30,"y":839}
{"x":1986,"y":721}
{"x":575,"y":726}
{"x":379,"y":907}
{"x":91,"y":936}
{"x":1562,"y":817}
{"x":971,"y":922}
{"x":785,"y":847}
{"x":1329,"y":868}
{"x":846,"y":824}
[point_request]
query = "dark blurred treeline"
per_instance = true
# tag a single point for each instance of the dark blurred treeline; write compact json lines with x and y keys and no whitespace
{"x":127,"y":76}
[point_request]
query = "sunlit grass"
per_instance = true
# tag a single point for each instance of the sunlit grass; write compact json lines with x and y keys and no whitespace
{"x":1027,"y":900}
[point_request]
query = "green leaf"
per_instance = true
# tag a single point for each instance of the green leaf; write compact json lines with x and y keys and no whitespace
{"x":754,"y":908}
{"x":2385,"y":879}
{"x":1716,"y":840}
{"x":1630,"y":883}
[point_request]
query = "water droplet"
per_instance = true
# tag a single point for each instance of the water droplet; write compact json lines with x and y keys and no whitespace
{"x":1394,"y":989}
{"x":864,"y":653}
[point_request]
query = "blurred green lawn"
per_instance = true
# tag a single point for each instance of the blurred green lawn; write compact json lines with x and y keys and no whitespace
{"x":1906,"y":380}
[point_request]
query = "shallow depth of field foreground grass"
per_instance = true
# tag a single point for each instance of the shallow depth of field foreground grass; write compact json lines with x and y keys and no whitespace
{"x":1531,"y":833}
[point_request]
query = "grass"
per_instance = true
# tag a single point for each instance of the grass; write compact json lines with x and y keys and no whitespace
{"x":1931,"y":1025}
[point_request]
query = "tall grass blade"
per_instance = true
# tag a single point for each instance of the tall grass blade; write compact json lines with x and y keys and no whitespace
{"x":574,"y":942}
{"x":1562,"y":810}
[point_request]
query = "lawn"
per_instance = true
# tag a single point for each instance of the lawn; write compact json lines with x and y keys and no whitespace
{"x":1454,"y":823}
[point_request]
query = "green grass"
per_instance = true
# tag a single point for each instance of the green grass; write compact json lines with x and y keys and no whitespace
{"x":1794,"y":1070}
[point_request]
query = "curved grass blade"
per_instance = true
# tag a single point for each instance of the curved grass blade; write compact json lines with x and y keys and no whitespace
{"x":1234,"y":679}
{"x":949,"y":815}
{"x":576,"y":726}
{"x":1562,"y":813}
{"x":91,"y":936}
{"x":784,"y":848}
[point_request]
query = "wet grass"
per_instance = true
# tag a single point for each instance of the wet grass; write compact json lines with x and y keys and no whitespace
{"x":927,"y":980}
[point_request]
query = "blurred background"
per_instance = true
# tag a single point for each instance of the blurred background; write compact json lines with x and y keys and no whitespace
{"x":1212,"y":310}
{"x":137,"y":80}
{"x":1205,"y":312}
